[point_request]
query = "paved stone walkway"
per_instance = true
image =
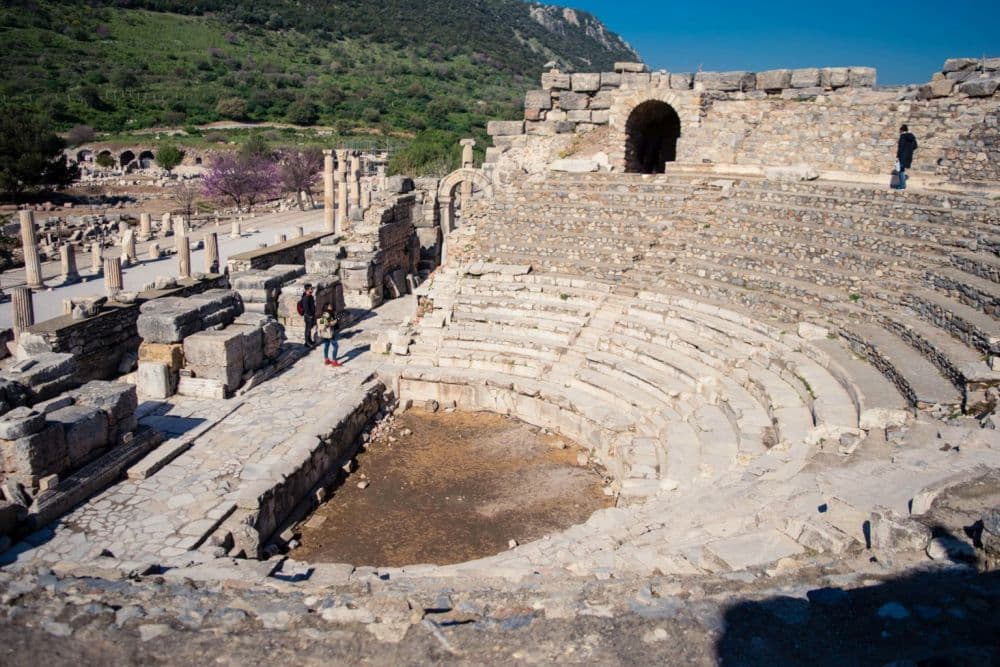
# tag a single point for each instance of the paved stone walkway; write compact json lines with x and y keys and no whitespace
{"x":163,"y":517}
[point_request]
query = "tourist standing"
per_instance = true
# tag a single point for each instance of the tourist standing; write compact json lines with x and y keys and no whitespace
{"x":327,"y":330}
{"x":904,"y":154}
{"x":307,"y":308}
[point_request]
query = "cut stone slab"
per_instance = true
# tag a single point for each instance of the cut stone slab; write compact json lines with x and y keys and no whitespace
{"x":753,"y":549}
{"x":20,"y":422}
{"x":85,"y":429}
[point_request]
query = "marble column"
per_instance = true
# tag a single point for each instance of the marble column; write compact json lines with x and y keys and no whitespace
{"x":183,"y":257}
{"x":342,"y":198}
{"x":468,"y":160}
{"x":165,"y":225}
{"x":96,"y":259}
{"x":212,"y":253}
{"x":355,"y":181}
{"x":112,"y":275}
{"x":67,"y":260}
{"x":300,"y":232}
{"x":145,"y":226}
{"x":22,"y":303}
{"x":445,"y":228}
{"x":180,"y":226}
{"x":29,"y":243}
{"x":329,"y":214}
{"x":236,"y":231}
{"x":129,"y":255}
{"x":366,"y":198}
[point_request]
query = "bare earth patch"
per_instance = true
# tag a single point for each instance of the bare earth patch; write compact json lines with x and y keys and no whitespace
{"x":458,"y":488}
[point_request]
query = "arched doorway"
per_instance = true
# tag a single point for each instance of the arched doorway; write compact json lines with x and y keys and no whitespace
{"x":651,"y":132}
{"x":146,"y":159}
{"x":126,"y":158}
{"x":467,"y":184}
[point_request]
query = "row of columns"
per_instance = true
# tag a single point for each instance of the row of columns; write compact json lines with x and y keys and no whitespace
{"x":342,"y":182}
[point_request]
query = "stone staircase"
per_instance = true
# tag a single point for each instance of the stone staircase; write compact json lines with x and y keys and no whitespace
{"x":911,"y":280}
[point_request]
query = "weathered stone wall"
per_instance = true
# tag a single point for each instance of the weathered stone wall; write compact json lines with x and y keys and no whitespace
{"x":829,"y":119}
{"x":292,"y":251}
{"x":100,"y":343}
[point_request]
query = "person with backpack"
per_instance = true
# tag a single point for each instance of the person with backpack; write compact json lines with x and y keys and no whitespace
{"x":327,"y":329}
{"x":904,"y":154}
{"x":307,"y":309}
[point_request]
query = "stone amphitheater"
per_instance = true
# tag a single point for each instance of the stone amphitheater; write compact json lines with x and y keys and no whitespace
{"x":789,"y":372}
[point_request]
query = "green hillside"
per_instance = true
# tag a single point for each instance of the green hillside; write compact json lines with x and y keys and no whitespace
{"x":387,"y":67}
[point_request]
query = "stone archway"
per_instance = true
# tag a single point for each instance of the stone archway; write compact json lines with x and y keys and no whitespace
{"x":126,"y":158}
{"x":470,"y":178}
{"x":651,"y":134}
{"x":146,"y":159}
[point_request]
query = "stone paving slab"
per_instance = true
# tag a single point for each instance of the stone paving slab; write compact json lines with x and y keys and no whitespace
{"x":168,"y":507}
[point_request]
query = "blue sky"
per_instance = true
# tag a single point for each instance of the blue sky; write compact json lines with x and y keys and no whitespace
{"x":906,"y":41}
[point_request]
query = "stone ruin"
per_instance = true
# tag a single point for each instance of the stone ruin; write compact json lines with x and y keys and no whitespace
{"x":786,"y":369}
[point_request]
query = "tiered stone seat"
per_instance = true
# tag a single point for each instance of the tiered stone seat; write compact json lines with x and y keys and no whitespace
{"x":666,"y":390}
{"x":853,"y":258}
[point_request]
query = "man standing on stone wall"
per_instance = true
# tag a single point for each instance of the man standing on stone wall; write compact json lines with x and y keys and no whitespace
{"x":904,"y":154}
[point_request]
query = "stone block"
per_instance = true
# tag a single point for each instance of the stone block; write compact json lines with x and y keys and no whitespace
{"x":579,"y":116}
{"x":863,"y":77}
{"x":118,"y":401}
{"x":13,"y":394}
{"x":36,"y":455}
{"x":602,"y":100}
{"x":635,"y":79}
{"x":85,"y":429}
{"x":586,"y":83}
{"x":45,"y":375}
{"x":893,"y":532}
{"x":569,"y":101}
{"x":535,"y":114}
{"x":681,"y":80}
{"x":154,"y":380}
{"x":323,"y":260}
{"x":611,"y":79}
{"x":942,"y":87}
{"x":835,"y":77}
{"x":776,"y":79}
{"x":555,"y":81}
{"x":752,"y":549}
{"x":802,"y":94}
{"x":725,"y":81}
{"x":20,"y":422}
{"x":808,"y":77}
{"x":979,"y":87}
{"x":959,"y":64}
{"x":600,"y":117}
{"x":170,"y":354}
{"x":556,"y":115}
{"x":505,"y":128}
{"x":214,"y":348}
{"x":273,"y":335}
{"x":202,"y":388}
{"x":631,"y":67}
{"x":253,"y":346}
{"x":538,"y":99}
{"x":399,"y":185}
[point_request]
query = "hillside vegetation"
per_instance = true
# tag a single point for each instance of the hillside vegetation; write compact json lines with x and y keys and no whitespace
{"x":384,"y":67}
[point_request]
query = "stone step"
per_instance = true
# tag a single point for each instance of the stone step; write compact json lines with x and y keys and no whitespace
{"x":984,"y":265}
{"x":917,"y":378}
{"x":877,"y":397}
{"x":832,"y":403}
{"x":959,"y":362}
{"x":969,"y":288}
{"x":973,"y":326}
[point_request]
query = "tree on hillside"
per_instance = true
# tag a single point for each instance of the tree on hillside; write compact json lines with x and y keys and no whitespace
{"x":169,"y":156}
{"x":256,"y":146}
{"x":299,"y":171}
{"x":242,"y":180}
{"x":31,"y":154}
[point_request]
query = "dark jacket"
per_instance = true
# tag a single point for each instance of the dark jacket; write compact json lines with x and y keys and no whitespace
{"x":309,"y":306}
{"x":904,"y":153}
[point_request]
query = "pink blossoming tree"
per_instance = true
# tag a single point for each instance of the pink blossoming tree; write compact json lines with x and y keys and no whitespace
{"x":243,"y":180}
